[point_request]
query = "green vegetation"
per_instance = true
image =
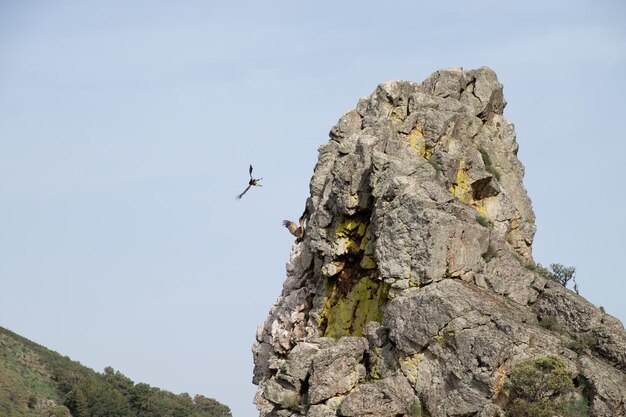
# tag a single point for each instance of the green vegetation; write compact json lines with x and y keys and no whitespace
{"x":416,"y":409}
{"x":557,"y":273}
{"x":585,"y":342}
{"x":543,"y":387}
{"x":483,"y":221}
{"x":489,"y":253}
{"x":551,"y":323}
{"x":576,"y":408}
{"x":488,"y":164}
{"x":563,"y":275}
{"x":538,"y":269}
{"x":38,"y":382}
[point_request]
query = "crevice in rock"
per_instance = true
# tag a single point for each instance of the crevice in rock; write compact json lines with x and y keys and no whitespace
{"x":354,"y":295}
{"x":304,"y":387}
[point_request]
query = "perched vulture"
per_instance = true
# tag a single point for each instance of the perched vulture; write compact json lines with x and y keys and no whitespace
{"x":294,"y":229}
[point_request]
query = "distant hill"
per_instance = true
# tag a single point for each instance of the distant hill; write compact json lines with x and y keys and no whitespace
{"x":37,"y":382}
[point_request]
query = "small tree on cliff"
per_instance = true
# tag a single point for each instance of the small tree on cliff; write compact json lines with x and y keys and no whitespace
{"x":563,"y":275}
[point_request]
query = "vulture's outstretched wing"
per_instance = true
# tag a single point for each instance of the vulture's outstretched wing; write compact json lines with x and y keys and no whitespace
{"x":293,"y":228}
{"x":244,"y":191}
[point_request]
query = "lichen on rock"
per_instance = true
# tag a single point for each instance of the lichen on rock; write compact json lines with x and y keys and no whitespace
{"x":410,"y":291}
{"x":345,"y":314}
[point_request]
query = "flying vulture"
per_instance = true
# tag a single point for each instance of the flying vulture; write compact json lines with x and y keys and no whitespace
{"x":253,"y":181}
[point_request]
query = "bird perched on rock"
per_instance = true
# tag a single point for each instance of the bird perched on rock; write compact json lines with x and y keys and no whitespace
{"x":294,"y":229}
{"x":253,"y":181}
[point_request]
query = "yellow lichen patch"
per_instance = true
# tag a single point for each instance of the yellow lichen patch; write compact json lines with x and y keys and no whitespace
{"x":415,"y":136}
{"x":480,"y":206}
{"x":461,"y":187}
{"x":396,"y":117}
{"x":398,"y":114}
{"x":373,"y":371}
{"x":409,"y":366}
{"x":368,"y":262}
{"x":350,"y":234}
{"x":346,"y":315}
{"x":353,"y":295}
{"x":345,"y":227}
{"x":412,"y":280}
{"x":418,"y":142}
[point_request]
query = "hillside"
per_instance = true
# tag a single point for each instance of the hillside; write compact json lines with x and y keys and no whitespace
{"x":37,"y":382}
{"x":414,"y":291}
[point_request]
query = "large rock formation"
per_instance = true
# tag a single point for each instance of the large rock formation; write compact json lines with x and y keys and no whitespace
{"x":414,"y":291}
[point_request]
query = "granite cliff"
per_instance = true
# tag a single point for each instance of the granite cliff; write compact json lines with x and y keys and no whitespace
{"x":414,"y":291}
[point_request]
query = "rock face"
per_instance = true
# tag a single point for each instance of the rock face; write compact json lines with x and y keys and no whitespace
{"x":414,"y":292}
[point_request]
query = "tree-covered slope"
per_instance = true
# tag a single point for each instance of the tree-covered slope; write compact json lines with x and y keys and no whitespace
{"x":36,"y":382}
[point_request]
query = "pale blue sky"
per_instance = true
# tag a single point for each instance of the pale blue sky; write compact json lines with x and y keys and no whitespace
{"x":126,"y":129}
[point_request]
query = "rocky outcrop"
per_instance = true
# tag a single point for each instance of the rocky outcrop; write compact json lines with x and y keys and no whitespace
{"x":414,"y":291}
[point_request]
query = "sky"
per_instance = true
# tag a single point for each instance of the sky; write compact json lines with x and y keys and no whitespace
{"x":127,"y":127}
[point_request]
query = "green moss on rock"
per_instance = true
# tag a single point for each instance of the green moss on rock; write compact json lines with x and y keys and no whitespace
{"x":368,"y":262}
{"x":346,"y":315}
{"x":353,"y":294}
